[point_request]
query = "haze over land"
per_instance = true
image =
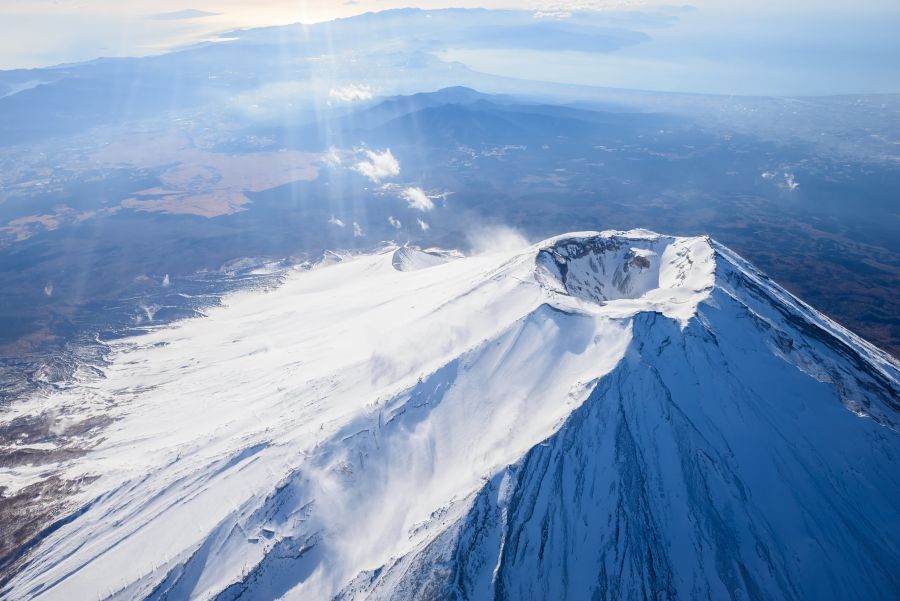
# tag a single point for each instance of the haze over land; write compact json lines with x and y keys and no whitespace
{"x":803,"y":186}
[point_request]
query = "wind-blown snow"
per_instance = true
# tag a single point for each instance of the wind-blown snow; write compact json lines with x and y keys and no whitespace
{"x":410,"y":258}
{"x":613,"y":414}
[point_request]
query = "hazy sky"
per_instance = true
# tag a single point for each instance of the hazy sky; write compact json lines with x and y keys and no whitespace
{"x":725,"y":46}
{"x":789,"y":50}
{"x":45,"y":32}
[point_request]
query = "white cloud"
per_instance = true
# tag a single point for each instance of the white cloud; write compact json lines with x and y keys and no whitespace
{"x":552,"y":14}
{"x":424,"y":226}
{"x":166,"y":281}
{"x":378,"y":166}
{"x":394,"y":222}
{"x":48,"y":289}
{"x":351,"y":93}
{"x":357,"y":230}
{"x":335,"y":221}
{"x":417,"y":199}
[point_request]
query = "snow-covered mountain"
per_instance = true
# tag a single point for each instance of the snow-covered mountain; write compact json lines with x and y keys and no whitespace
{"x":616,"y":415}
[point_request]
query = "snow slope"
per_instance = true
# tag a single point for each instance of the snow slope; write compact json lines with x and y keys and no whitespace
{"x":602,"y":415}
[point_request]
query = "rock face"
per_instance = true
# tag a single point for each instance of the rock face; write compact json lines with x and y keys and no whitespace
{"x":616,"y":415}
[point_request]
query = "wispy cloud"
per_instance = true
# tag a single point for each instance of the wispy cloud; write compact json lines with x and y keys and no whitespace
{"x":179,"y":15}
{"x":495,"y":239}
{"x":378,"y":166}
{"x":394,"y":222}
{"x":422,"y":225}
{"x":351,"y":93}
{"x":552,"y":14}
{"x":357,"y":230}
{"x":335,"y":221}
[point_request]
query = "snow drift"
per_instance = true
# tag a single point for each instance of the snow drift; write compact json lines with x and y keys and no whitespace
{"x":602,"y":415}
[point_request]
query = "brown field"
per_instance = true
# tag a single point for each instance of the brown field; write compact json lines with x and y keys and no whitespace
{"x":200,"y":182}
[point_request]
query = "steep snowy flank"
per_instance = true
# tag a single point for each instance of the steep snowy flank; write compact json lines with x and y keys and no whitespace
{"x":602,"y":415}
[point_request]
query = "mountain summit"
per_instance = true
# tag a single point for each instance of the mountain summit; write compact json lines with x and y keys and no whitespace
{"x":603,"y":415}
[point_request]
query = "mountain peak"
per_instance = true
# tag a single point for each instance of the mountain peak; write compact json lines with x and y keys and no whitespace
{"x":600,"y":415}
{"x":655,"y":272}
